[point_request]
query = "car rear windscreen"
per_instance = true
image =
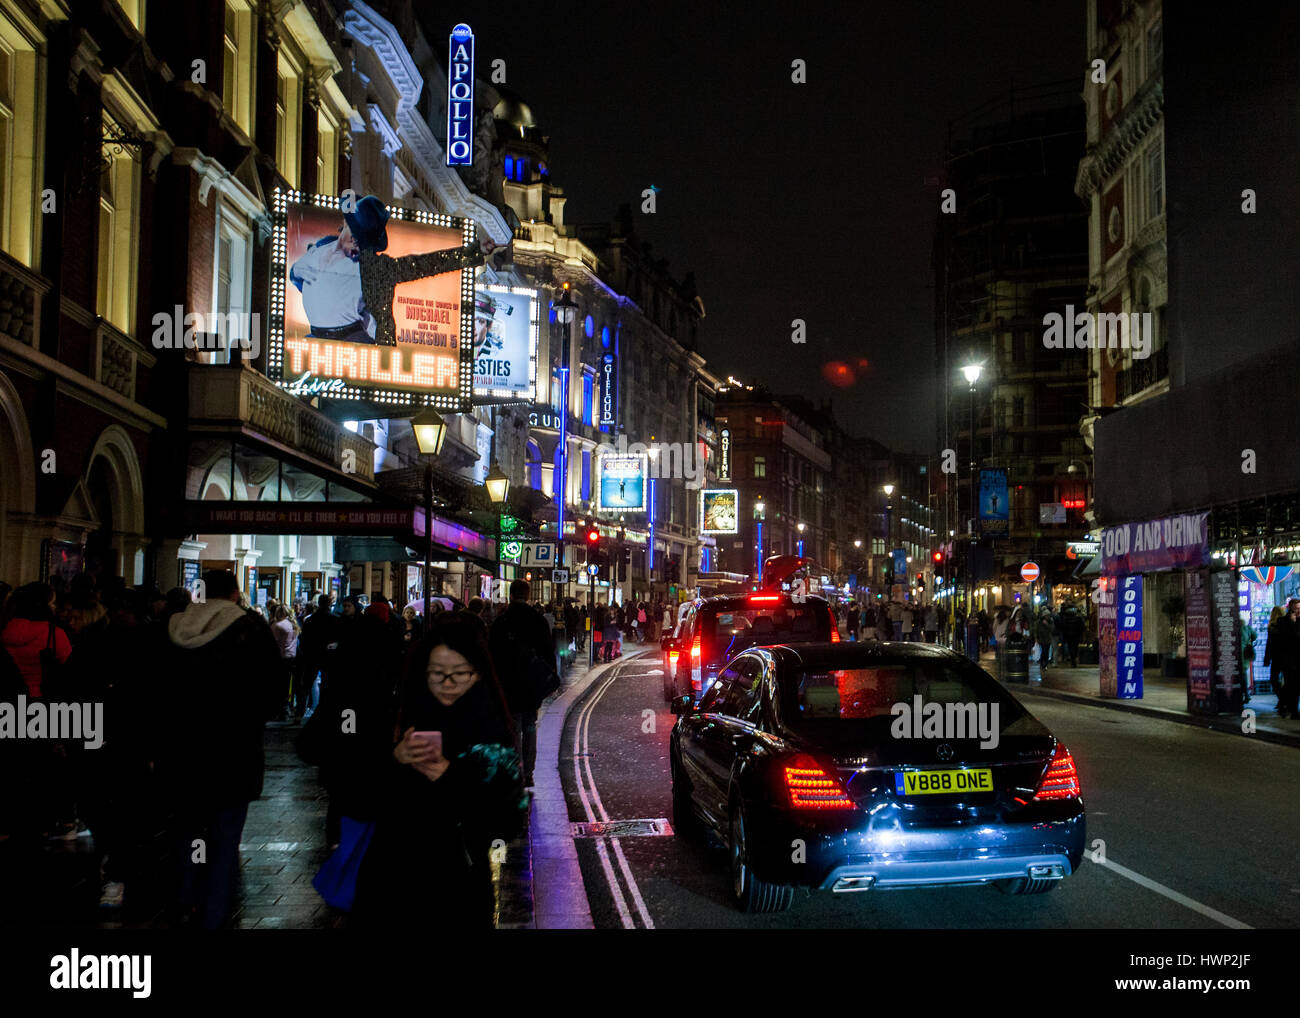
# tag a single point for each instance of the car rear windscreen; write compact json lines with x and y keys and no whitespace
{"x":730,"y":631}
{"x":813,"y":696}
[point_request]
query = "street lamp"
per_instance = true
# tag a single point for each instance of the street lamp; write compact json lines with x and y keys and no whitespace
{"x":972,"y":373}
{"x":430,"y":432}
{"x":565,"y":313}
{"x":498,"y":484}
{"x":801,"y":529}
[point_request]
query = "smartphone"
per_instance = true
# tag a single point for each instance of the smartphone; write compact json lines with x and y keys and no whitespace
{"x":433,"y":739}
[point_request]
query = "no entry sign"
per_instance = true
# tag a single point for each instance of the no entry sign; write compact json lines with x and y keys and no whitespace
{"x":1029,"y":572}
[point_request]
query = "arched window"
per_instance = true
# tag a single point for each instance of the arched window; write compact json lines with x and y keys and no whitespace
{"x":533,"y":460}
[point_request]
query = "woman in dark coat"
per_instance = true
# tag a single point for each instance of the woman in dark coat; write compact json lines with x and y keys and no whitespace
{"x":441,"y":808}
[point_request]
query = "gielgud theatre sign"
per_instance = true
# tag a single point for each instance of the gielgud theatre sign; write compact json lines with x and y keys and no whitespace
{"x":371,"y":302}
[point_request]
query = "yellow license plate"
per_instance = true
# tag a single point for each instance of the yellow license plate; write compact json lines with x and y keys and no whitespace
{"x":978,"y":779}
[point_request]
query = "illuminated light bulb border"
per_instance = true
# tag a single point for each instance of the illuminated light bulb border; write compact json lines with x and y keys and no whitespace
{"x":281,"y":199}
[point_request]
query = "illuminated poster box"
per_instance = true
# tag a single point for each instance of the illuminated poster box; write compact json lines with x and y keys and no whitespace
{"x":325,"y":341}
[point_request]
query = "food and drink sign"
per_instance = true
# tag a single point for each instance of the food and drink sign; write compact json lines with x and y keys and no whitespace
{"x":1107,"y":642}
{"x":1200,"y":642}
{"x":1128,"y":638}
{"x":1175,"y":542}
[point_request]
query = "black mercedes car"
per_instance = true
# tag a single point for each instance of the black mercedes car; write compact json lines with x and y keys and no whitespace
{"x":860,"y":766}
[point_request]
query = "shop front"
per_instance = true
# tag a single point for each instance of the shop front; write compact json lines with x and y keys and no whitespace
{"x":1165,"y":602}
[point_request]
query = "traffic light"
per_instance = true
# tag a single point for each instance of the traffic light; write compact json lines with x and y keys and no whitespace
{"x":920,"y":580}
{"x":938,"y":557}
{"x":593,"y":536}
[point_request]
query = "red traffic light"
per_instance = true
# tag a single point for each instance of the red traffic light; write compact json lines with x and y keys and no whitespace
{"x":937,"y":556}
{"x":593,"y":535}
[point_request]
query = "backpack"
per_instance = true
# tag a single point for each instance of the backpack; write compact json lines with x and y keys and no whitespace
{"x":540,"y":678}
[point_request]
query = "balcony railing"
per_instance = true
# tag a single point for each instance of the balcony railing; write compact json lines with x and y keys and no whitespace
{"x":21,"y":292}
{"x":1142,"y":375}
{"x":232,"y":393}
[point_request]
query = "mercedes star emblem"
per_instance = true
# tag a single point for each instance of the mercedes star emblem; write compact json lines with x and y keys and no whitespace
{"x":945,"y":751}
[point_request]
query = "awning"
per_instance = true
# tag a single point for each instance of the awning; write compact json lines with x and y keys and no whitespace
{"x":371,"y":549}
{"x":1090,"y":568}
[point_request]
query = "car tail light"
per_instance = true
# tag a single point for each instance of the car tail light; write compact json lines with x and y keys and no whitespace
{"x":696,"y":682}
{"x":672,"y":660}
{"x":1061,"y":781}
{"x":835,"y":630}
{"x":765,"y":599}
{"x":810,"y":787}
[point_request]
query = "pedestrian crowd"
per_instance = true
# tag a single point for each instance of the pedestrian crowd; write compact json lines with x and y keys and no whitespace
{"x":424,"y":736}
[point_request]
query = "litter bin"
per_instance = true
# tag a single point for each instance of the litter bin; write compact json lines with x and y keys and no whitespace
{"x":1015,"y":659}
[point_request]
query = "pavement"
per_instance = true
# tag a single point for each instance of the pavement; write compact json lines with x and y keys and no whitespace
{"x":1161,"y":698}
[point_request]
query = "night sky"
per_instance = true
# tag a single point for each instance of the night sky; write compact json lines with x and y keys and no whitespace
{"x":788,"y":201}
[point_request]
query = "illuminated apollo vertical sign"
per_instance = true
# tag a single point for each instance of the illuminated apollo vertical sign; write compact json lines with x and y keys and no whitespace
{"x":608,"y":391}
{"x":1128,"y":638}
{"x":460,"y":97}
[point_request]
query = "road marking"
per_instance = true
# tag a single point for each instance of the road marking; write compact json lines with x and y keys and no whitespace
{"x":1172,"y":895}
{"x":602,"y":851}
{"x":591,"y":804}
{"x":595,"y":795}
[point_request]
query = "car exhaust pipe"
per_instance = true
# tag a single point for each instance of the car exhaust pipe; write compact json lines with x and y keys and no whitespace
{"x":1054,"y":871}
{"x":846,"y":884}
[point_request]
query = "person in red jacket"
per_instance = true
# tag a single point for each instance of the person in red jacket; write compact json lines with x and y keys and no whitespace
{"x":30,"y":628}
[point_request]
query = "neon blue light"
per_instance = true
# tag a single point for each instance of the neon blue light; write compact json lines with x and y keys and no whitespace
{"x":589,"y":326}
{"x":510,"y":167}
{"x":604,"y":336}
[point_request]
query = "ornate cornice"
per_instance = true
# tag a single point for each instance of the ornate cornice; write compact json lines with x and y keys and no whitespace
{"x":1135,"y":123}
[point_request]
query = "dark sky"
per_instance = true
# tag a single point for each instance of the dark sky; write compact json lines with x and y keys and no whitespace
{"x":788,"y":201}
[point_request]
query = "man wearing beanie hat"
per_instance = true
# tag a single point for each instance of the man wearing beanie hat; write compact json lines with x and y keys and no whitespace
{"x":347,"y":285}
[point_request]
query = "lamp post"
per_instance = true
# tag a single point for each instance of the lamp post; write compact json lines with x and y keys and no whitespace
{"x":889,"y":522}
{"x":760,"y":514}
{"x":565,"y":313}
{"x":972,"y":373}
{"x":800,"y":541}
{"x":430,"y":431}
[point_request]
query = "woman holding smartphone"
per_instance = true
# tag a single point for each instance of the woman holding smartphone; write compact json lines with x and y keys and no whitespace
{"x":450,"y":788}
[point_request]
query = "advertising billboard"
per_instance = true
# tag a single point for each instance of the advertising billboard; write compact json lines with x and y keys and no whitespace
{"x":607,"y":408}
{"x":719,"y":511}
{"x":507,"y":323}
{"x":622,"y":482}
{"x":331,"y":262}
{"x":995,"y":510}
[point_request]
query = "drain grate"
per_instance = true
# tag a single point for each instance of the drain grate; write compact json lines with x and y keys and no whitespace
{"x":657,"y":828}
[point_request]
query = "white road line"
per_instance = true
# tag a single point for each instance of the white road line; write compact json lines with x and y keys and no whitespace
{"x":602,"y":852}
{"x":584,"y":723}
{"x":1172,"y":895}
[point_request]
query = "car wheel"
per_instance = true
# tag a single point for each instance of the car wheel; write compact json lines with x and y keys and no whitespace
{"x":684,"y":824}
{"x":749,"y":892}
{"x":1024,"y":885}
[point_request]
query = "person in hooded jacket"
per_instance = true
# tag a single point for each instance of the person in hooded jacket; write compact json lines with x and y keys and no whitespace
{"x":442,"y":800}
{"x":359,"y":674}
{"x":222,"y":669}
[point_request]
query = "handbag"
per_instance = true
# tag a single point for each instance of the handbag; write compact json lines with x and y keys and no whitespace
{"x":337,"y":880}
{"x":50,"y":670}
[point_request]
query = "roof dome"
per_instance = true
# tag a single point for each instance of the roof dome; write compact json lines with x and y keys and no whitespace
{"x":513,"y":110}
